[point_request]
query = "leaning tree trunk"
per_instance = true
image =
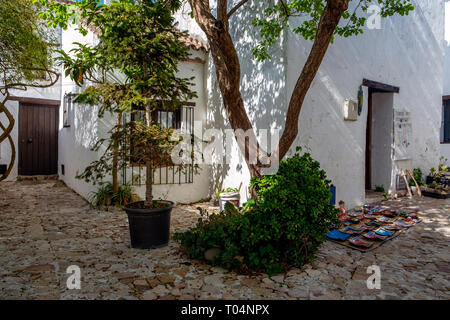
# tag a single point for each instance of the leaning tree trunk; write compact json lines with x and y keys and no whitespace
{"x":228,"y":74}
{"x":327,"y":25}
{"x":227,"y":67}
{"x":12,"y":158}
{"x":6,"y":134}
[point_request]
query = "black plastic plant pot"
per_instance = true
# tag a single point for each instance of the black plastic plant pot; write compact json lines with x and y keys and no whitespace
{"x":149,"y":228}
{"x":429,"y":180}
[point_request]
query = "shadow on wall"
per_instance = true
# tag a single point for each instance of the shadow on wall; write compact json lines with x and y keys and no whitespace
{"x":263,"y":90}
{"x":86,"y":125}
{"x":402,"y":53}
{"x":447,"y":69}
{"x":76,"y":143}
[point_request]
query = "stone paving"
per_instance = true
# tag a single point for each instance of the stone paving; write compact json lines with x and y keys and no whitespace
{"x":45,"y":227}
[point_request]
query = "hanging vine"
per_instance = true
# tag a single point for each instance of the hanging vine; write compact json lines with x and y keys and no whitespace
{"x":26,"y":47}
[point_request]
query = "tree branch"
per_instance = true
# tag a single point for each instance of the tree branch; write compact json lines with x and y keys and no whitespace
{"x":13,"y":155}
{"x":222,"y":6}
{"x":236,"y":8}
{"x":327,"y":25}
{"x":54,"y":77}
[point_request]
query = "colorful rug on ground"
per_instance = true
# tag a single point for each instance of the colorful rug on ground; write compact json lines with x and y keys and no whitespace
{"x":367,"y":228}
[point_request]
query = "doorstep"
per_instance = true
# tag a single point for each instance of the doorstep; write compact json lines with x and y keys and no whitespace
{"x":38,"y":177}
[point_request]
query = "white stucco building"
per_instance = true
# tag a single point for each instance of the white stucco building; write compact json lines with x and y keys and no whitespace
{"x":445,"y":127}
{"x":400,"y":67}
{"x":406,"y":52}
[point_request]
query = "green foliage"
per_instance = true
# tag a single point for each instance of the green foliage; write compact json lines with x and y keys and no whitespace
{"x":436,"y":173}
{"x":418,"y":175}
{"x":26,"y":45}
{"x":442,"y":164}
{"x":105,"y":196}
{"x":284,"y":228}
{"x":139,"y":40}
{"x":150,"y":144}
{"x":227,"y":190}
{"x":303,"y":16}
{"x":379,"y":188}
{"x":123,"y":196}
{"x":134,"y":67}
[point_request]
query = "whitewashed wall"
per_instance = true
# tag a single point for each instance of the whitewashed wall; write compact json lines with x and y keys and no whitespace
{"x":406,"y":52}
{"x":445,"y":147}
{"x":75,"y":141}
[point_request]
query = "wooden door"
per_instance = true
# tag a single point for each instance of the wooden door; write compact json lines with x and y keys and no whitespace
{"x":38,"y":139}
{"x":369,"y":142}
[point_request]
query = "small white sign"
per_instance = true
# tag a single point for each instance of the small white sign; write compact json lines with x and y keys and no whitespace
{"x":350,"y":110}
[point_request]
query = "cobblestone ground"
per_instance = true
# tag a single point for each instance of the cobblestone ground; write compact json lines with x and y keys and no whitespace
{"x":45,"y":227}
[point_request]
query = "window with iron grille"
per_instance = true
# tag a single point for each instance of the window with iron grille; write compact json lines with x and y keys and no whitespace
{"x":181,"y":119}
{"x":446,"y":121}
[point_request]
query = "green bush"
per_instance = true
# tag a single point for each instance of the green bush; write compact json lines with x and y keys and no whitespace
{"x":284,"y":228}
{"x":417,"y":173}
{"x":226,"y":190}
{"x":105,"y":196}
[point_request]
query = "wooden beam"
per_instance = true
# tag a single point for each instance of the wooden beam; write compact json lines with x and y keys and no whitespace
{"x":406,"y":183}
{"x":195,"y":60}
{"x":47,"y":102}
{"x":419,"y":192}
{"x":380,"y":87}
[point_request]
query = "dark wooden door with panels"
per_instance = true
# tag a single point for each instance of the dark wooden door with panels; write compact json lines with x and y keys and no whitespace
{"x":38,"y":139}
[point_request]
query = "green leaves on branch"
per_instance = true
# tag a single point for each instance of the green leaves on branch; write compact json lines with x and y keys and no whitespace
{"x":303,"y":17}
{"x":133,"y":67}
{"x":139,"y":144}
{"x":25,"y":45}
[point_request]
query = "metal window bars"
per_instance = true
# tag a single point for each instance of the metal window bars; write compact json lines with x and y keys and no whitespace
{"x":181,"y":119}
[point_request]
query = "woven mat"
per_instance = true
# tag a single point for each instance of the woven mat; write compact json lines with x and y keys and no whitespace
{"x":376,"y":243}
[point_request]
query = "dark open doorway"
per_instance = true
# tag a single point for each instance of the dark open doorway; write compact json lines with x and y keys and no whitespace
{"x":379,"y":134}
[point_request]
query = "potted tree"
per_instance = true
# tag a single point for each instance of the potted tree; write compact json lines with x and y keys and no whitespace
{"x":140,"y":41}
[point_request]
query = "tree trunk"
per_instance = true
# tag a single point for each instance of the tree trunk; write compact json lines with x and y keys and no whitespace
{"x":6,"y":134}
{"x":228,"y":74}
{"x":227,"y":67}
{"x":115,"y":161}
{"x":149,"y":185}
{"x":149,"y":167}
{"x":327,"y":25}
{"x":13,"y":155}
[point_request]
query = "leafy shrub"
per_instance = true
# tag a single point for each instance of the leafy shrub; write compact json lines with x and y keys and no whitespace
{"x":379,"y":188}
{"x":284,"y":228}
{"x":105,"y":196}
{"x":418,"y":175}
{"x":226,"y":190}
{"x":123,"y":196}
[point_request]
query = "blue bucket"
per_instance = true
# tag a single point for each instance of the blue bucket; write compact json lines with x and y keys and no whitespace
{"x":333,"y":197}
